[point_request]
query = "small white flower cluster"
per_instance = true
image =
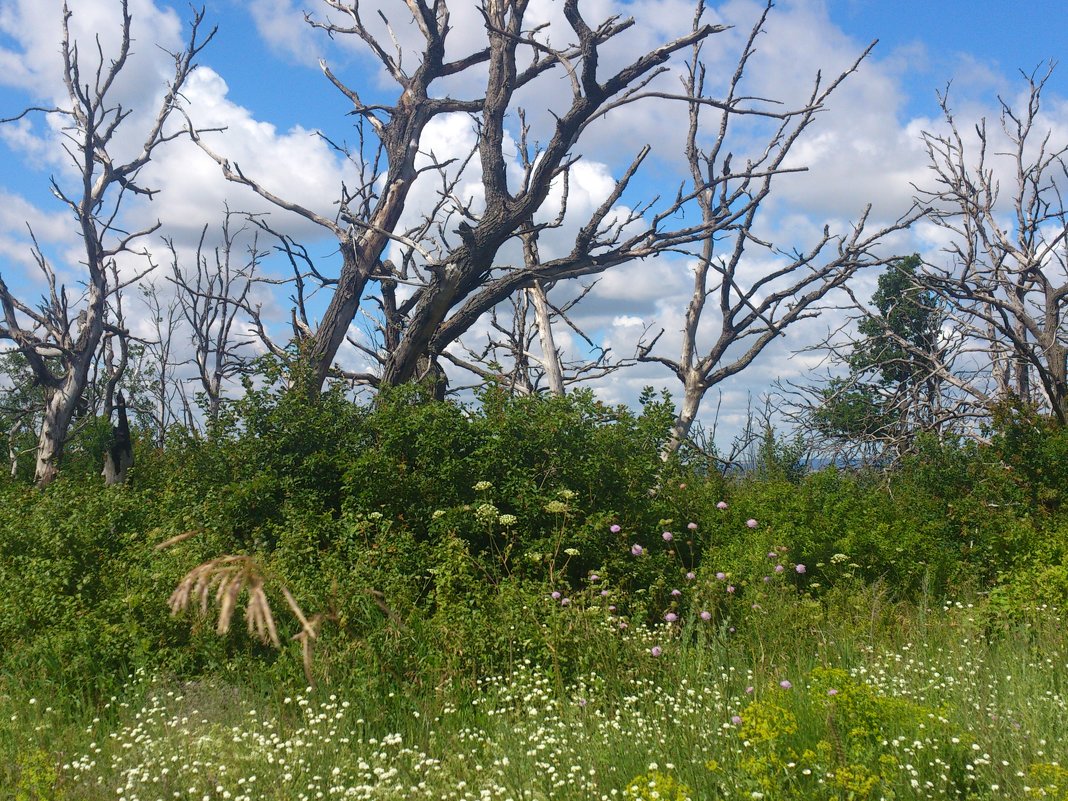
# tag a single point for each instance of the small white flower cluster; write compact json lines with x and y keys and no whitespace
{"x":487,"y":513}
{"x":988,"y":731}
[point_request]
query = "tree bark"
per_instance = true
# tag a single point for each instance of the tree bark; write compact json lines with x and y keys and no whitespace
{"x":119,"y":456}
{"x":55,"y":427}
{"x":554,"y":373}
{"x":691,"y":405}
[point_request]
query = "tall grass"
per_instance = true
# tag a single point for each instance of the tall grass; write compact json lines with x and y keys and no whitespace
{"x":937,"y":705}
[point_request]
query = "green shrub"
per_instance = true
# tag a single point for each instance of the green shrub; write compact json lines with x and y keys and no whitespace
{"x":429,"y":536}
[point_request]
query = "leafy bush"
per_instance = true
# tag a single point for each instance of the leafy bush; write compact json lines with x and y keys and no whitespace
{"x":1033,"y":452}
{"x":429,"y":537}
{"x":84,"y":593}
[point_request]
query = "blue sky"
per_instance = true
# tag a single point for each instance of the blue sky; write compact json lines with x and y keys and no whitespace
{"x":936,"y":42}
{"x":998,"y":35}
{"x":261,"y":79}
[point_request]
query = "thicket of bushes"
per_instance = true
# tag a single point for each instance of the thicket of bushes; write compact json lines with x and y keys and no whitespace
{"x":430,"y":536}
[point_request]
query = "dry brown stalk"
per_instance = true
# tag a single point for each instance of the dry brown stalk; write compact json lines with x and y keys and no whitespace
{"x":227,"y":576}
{"x":176,"y":539}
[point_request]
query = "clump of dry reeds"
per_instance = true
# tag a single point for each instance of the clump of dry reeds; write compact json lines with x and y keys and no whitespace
{"x":223,"y":579}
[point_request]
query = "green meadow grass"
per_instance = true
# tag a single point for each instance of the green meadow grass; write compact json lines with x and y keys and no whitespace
{"x":920,"y":704}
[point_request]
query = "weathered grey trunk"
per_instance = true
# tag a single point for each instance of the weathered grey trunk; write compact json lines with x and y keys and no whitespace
{"x":62,"y":401}
{"x":1057,"y":359}
{"x":432,"y":375}
{"x":680,"y":432}
{"x":13,"y":450}
{"x":55,"y":425}
{"x":339,"y":314}
{"x":554,"y":372}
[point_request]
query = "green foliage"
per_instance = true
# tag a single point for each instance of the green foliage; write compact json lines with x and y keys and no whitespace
{"x":370,"y":515}
{"x":780,"y":459}
{"x":1028,"y":585}
{"x":906,"y":324}
{"x":858,"y":717}
{"x":828,"y":738}
{"x":1033,"y":449}
{"x":852,"y":411}
{"x":1047,"y":780}
{"x":428,"y":538}
{"x":22,"y":402}
{"x":452,"y":557}
{"x":83,"y":599}
{"x":35,"y":777}
{"x":657,"y":785}
{"x":21,"y":397}
{"x":884,"y":402}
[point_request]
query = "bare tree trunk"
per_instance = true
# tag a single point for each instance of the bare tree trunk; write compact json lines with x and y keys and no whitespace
{"x":1021,"y":365}
{"x":691,"y":405}
{"x":90,"y":122}
{"x":119,"y":457}
{"x":62,"y":401}
{"x":1053,"y":380}
{"x":728,"y":306}
{"x":336,"y":320}
{"x":55,"y":426}
{"x":1000,"y":361}
{"x":12,"y":449}
{"x":554,"y":372}
{"x":432,"y":375}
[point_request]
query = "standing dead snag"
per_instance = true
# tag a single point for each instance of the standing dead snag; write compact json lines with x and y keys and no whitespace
{"x":59,"y":343}
{"x":450,"y":260}
{"x":509,"y":357}
{"x":119,"y":456}
{"x":750,"y":309}
{"x":1006,"y":283}
{"x":210,"y":296}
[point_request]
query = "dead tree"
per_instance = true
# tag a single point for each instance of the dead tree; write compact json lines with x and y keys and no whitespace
{"x":509,"y":357}
{"x":517,"y":343}
{"x":155,"y":369}
{"x":736,"y":311}
{"x":1006,"y":280}
{"x":119,"y":456}
{"x":92,"y":117}
{"x":212,"y":296}
{"x":520,"y":352}
{"x":457,"y":271}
